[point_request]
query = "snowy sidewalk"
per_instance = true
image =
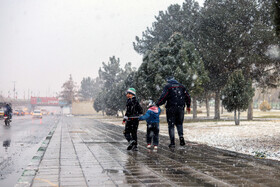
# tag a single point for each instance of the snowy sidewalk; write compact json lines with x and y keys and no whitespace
{"x":250,"y":137}
{"x":87,"y":152}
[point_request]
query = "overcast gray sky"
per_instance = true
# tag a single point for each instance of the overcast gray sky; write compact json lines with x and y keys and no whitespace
{"x":43,"y":41}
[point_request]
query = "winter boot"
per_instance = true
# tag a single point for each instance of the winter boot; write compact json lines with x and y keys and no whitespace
{"x":172,"y":145}
{"x":182,"y":141}
{"x":134,"y":148}
{"x":131,"y":144}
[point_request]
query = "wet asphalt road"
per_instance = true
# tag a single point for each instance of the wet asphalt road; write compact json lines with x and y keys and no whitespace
{"x":18,"y":144}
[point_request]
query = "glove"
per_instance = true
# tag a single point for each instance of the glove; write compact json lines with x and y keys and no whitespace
{"x":188,"y":110}
{"x":125,"y":118}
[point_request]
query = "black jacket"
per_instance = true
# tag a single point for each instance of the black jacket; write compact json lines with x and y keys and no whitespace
{"x":175,"y":94}
{"x":8,"y":109}
{"x":133,"y":108}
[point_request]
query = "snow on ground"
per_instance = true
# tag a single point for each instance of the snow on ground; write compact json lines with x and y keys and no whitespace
{"x":250,"y":137}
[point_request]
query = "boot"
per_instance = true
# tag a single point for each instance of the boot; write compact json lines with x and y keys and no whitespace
{"x":131,"y":144}
{"x":171,"y":145}
{"x":182,"y":141}
{"x":135,"y":148}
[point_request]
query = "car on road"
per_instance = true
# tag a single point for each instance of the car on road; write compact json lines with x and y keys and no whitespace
{"x":37,"y":114}
{"x":20,"y":113}
{"x":1,"y":113}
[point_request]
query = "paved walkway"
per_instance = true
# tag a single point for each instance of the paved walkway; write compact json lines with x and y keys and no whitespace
{"x":85,"y":152}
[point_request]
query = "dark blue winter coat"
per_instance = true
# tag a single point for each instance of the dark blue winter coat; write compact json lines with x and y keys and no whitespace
{"x":152,"y":115}
{"x":175,"y":94}
{"x":8,"y":110}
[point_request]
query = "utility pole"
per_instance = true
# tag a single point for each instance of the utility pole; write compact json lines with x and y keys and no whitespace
{"x":14,"y":89}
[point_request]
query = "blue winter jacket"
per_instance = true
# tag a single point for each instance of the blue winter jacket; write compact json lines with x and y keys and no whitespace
{"x":152,"y":115}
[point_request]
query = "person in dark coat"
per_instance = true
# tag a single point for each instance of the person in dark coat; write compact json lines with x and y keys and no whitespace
{"x":131,"y":119}
{"x":176,"y":97}
{"x":8,"y":111}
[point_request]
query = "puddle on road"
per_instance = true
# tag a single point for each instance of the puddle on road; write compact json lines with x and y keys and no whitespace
{"x":6,"y":144}
{"x":114,"y":171}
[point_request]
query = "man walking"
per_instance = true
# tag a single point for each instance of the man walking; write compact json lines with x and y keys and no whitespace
{"x":176,"y":97}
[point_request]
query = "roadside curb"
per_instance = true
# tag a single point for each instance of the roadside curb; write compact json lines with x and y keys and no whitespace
{"x":31,"y":170}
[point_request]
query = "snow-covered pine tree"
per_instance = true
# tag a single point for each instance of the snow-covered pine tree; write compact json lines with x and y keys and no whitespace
{"x":237,"y":94}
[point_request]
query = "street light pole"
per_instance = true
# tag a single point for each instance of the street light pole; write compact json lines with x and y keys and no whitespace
{"x":14,"y":89}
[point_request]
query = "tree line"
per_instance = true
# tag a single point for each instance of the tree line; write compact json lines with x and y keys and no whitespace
{"x":221,"y":50}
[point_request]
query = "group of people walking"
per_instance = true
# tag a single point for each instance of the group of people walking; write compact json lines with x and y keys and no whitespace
{"x":176,"y":97}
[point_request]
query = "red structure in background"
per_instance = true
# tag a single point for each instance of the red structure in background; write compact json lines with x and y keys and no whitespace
{"x":44,"y":101}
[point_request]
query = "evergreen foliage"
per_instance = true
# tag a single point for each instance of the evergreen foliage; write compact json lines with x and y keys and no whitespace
{"x":87,"y":89}
{"x":176,"y":18}
{"x":115,"y":80}
{"x":176,"y":58}
{"x":237,"y":93}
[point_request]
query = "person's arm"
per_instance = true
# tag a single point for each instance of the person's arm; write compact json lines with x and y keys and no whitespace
{"x":188,"y":101}
{"x":163,"y":96}
{"x":125,"y":118}
{"x":146,"y":116}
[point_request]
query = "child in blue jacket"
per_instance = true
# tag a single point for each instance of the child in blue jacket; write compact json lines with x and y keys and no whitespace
{"x":152,"y":119}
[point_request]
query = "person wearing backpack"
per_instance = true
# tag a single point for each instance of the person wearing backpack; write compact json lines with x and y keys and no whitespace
{"x":176,"y":97}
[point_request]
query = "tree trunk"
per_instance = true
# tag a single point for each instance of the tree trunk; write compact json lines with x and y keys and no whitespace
{"x":207,"y":105}
{"x":194,"y":108}
{"x":217,"y":105}
{"x":239,"y":117}
{"x":236,"y":118}
{"x":250,"y":111}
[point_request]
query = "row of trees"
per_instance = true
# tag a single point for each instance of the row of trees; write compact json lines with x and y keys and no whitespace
{"x":220,"y":49}
{"x":228,"y":36}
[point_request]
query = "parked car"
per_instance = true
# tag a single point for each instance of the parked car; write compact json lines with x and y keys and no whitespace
{"x":1,"y":113}
{"x":15,"y":112}
{"x":20,"y":113}
{"x":37,"y":114}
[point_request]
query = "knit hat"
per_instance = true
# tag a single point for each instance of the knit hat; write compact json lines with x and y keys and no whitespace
{"x":151,"y":103}
{"x":131,"y":91}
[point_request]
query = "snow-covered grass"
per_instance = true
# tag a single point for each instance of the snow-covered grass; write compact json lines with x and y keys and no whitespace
{"x":260,"y":137}
{"x":250,"y":137}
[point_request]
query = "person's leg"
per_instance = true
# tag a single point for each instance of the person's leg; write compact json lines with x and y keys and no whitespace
{"x":149,"y":129}
{"x":127,"y":131}
{"x":171,"y":121}
{"x":179,"y":124}
{"x":156,"y":132}
{"x":135,"y":124}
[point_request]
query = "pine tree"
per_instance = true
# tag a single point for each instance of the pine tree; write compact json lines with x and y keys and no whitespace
{"x":236,"y":35}
{"x":69,"y":92}
{"x":87,"y":89}
{"x":176,"y":57}
{"x":237,"y":94}
{"x":115,"y":82}
{"x":176,"y":18}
